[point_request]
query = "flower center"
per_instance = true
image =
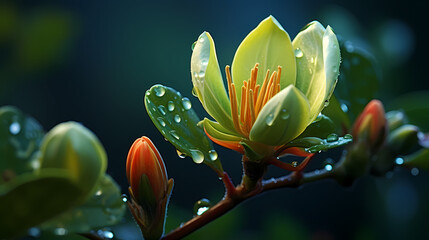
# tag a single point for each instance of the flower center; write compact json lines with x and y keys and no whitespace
{"x":253,"y":97}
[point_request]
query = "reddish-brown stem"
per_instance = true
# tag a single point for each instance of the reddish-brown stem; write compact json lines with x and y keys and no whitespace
{"x":289,"y":167}
{"x":294,"y":179}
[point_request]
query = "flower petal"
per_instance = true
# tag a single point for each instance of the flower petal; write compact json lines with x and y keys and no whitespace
{"x":282,"y":119}
{"x":317,"y":64}
{"x":222,"y":136}
{"x":208,"y":82}
{"x":270,"y":46}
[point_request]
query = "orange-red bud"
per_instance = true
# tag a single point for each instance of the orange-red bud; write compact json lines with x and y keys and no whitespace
{"x":371,"y":125}
{"x":144,"y":159}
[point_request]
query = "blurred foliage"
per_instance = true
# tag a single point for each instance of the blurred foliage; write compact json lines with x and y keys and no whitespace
{"x":30,"y":195}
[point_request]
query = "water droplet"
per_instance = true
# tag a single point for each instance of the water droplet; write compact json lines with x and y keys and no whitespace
{"x":399,"y":161}
{"x":193,"y":45}
{"x":174,"y":134}
{"x":180,"y":154}
{"x":15,"y":128}
{"x":269,"y":120}
{"x":170,"y":106}
{"x":201,"y":39}
{"x":202,"y":74}
{"x":105,"y":234}
{"x":202,"y":206}
{"x":124,"y":198}
{"x":284,"y":114}
{"x":213,"y":155}
{"x":186,"y":103}
{"x":197,"y":156}
{"x":147,"y":93}
{"x":348,"y":136}
{"x":161,"y":121}
{"x":98,"y":193}
{"x":204,"y":62}
{"x":298,"y":53}
{"x":294,"y":164}
{"x":312,"y":59}
{"x":349,"y":46}
{"x":344,"y":107}
{"x":334,"y":69}
{"x":326,"y":103}
{"x":328,"y":167}
{"x":177,"y":118}
{"x":60,"y":231}
{"x":161,"y":108}
{"x":159,"y":90}
{"x":34,"y":232}
{"x":318,"y":118}
{"x":195,"y":75}
{"x":332,"y":137}
{"x":415,"y":171}
{"x":194,"y":92}
{"x":329,"y":164}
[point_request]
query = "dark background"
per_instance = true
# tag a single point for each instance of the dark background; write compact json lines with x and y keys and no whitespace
{"x":92,"y":61}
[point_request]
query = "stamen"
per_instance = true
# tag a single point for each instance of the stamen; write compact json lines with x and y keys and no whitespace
{"x":262,"y":93}
{"x":243,"y":102}
{"x":233,"y":99}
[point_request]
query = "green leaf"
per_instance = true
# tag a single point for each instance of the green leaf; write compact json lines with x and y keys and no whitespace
{"x":337,"y":113}
{"x":358,"y":80}
{"x":282,"y":119}
{"x":20,"y":138}
{"x":104,"y":208}
{"x":270,"y":46}
{"x":31,"y":199}
{"x":416,"y":108}
{"x":317,"y":64}
{"x":207,"y":81}
{"x":418,"y":159}
{"x":321,"y":127}
{"x":174,"y":117}
{"x":314,"y":145}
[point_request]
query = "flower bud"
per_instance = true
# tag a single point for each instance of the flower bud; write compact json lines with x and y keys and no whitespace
{"x":404,"y":139}
{"x":149,"y":187}
{"x":371,"y":125}
{"x":72,"y":147}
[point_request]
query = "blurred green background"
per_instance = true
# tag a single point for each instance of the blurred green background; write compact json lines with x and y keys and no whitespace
{"x":92,"y":61}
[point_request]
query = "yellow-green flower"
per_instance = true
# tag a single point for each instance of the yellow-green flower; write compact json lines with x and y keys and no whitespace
{"x":277,"y":86}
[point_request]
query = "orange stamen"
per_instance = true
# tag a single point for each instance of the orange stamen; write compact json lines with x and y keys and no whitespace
{"x":252,"y":100}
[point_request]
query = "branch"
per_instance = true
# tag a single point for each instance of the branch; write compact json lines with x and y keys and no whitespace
{"x":294,"y":179}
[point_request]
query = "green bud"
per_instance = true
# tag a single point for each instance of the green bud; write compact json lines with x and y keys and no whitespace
{"x":75,"y":148}
{"x":395,"y":119}
{"x":402,"y":140}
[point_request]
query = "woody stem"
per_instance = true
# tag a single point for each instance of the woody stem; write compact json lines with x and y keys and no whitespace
{"x":240,"y":194}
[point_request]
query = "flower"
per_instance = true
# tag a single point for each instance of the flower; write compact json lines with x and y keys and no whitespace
{"x":73,"y":147}
{"x":150,"y":188}
{"x":371,"y":125}
{"x":276,"y":87}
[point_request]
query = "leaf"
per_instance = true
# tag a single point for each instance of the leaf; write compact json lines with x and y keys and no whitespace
{"x":174,"y":117}
{"x":314,"y":145}
{"x":416,"y":108}
{"x":418,"y":159}
{"x":358,"y":80}
{"x":338,"y":114}
{"x":30,"y":199}
{"x":104,"y":208}
{"x":321,"y":127}
{"x":20,"y":138}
